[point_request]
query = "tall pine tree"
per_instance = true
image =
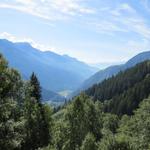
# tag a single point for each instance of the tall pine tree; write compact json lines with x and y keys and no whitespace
{"x":37,"y":124}
{"x":36,"y":89}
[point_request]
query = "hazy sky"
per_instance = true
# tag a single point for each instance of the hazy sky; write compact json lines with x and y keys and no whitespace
{"x":90,"y":30}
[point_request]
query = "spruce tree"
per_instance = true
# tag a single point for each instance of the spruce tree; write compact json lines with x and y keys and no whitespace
{"x":36,"y":89}
{"x":37,"y":125}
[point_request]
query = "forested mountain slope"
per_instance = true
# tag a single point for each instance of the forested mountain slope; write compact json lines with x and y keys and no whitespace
{"x":112,"y":70}
{"x":123,"y":92}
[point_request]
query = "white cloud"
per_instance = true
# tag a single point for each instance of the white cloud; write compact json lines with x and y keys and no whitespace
{"x":12,"y":38}
{"x":134,"y":47}
{"x":135,"y":23}
{"x":70,"y":6}
{"x":49,"y":9}
{"x":124,"y":7}
{"x":122,"y":18}
{"x":5,"y":35}
{"x":113,"y":21}
{"x":141,"y":45}
{"x":107,"y":27}
{"x":132,"y":21}
{"x":138,"y":26}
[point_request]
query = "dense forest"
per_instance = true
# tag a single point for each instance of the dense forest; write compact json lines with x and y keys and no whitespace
{"x":114,"y":115}
{"x":123,"y":93}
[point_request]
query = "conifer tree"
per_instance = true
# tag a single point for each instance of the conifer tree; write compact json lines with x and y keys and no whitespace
{"x":37,"y":125}
{"x":36,"y":89}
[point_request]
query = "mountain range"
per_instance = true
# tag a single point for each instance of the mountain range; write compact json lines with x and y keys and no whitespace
{"x":59,"y":73}
{"x":111,"y":71}
{"x":56,"y":72}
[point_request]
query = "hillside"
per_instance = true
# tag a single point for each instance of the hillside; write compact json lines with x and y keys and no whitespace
{"x":122,"y":93}
{"x":55,"y":72}
{"x":112,"y":70}
{"x":51,"y":97}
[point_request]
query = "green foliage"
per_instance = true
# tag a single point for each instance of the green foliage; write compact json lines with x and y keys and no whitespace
{"x":25,"y":123}
{"x":36,"y":89}
{"x":11,"y":122}
{"x":123,"y":93}
{"x":81,"y":124}
{"x":89,"y":142}
{"x":111,"y":122}
{"x":137,"y":128}
{"x":82,"y":117}
{"x":38,"y":117}
{"x":3,"y":63}
{"x":133,"y":132}
{"x":111,"y":142}
{"x":60,"y":134}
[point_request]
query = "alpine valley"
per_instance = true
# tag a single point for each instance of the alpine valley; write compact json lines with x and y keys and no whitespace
{"x":49,"y":67}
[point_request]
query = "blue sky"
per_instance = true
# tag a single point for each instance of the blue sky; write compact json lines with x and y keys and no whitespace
{"x":91,"y":30}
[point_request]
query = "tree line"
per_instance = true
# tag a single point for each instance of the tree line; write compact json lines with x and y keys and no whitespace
{"x":123,"y":93}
